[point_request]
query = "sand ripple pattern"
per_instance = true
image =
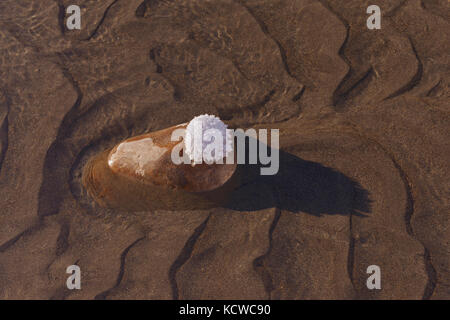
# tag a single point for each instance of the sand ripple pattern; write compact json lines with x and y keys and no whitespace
{"x":364,"y":124}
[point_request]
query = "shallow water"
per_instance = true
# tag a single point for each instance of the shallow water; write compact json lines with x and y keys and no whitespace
{"x":363,"y":119}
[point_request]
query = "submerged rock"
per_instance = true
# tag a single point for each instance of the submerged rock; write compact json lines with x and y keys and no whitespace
{"x":139,"y":174}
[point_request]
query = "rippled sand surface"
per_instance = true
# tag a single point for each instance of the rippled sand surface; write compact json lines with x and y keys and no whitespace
{"x":364,"y":168}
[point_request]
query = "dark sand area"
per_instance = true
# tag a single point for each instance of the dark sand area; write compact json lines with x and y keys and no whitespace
{"x":364,"y":119}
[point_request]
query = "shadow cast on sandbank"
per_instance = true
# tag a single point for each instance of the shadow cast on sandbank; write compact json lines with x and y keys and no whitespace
{"x":299,"y":186}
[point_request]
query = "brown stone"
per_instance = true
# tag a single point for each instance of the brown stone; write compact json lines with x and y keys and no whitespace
{"x":139,"y":174}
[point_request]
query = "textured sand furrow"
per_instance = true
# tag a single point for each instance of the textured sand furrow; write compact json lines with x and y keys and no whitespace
{"x":4,"y":107}
{"x":238,"y":245}
{"x":103,"y":295}
{"x":185,"y":254}
{"x":421,"y":171}
{"x":318,"y":66}
{"x":24,"y":150}
{"x":152,"y":265}
{"x":258,"y":263}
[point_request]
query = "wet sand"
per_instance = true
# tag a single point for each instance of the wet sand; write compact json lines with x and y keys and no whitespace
{"x":364,"y":133}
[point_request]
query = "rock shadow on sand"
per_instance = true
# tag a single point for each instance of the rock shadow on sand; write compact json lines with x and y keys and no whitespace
{"x":299,"y":186}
